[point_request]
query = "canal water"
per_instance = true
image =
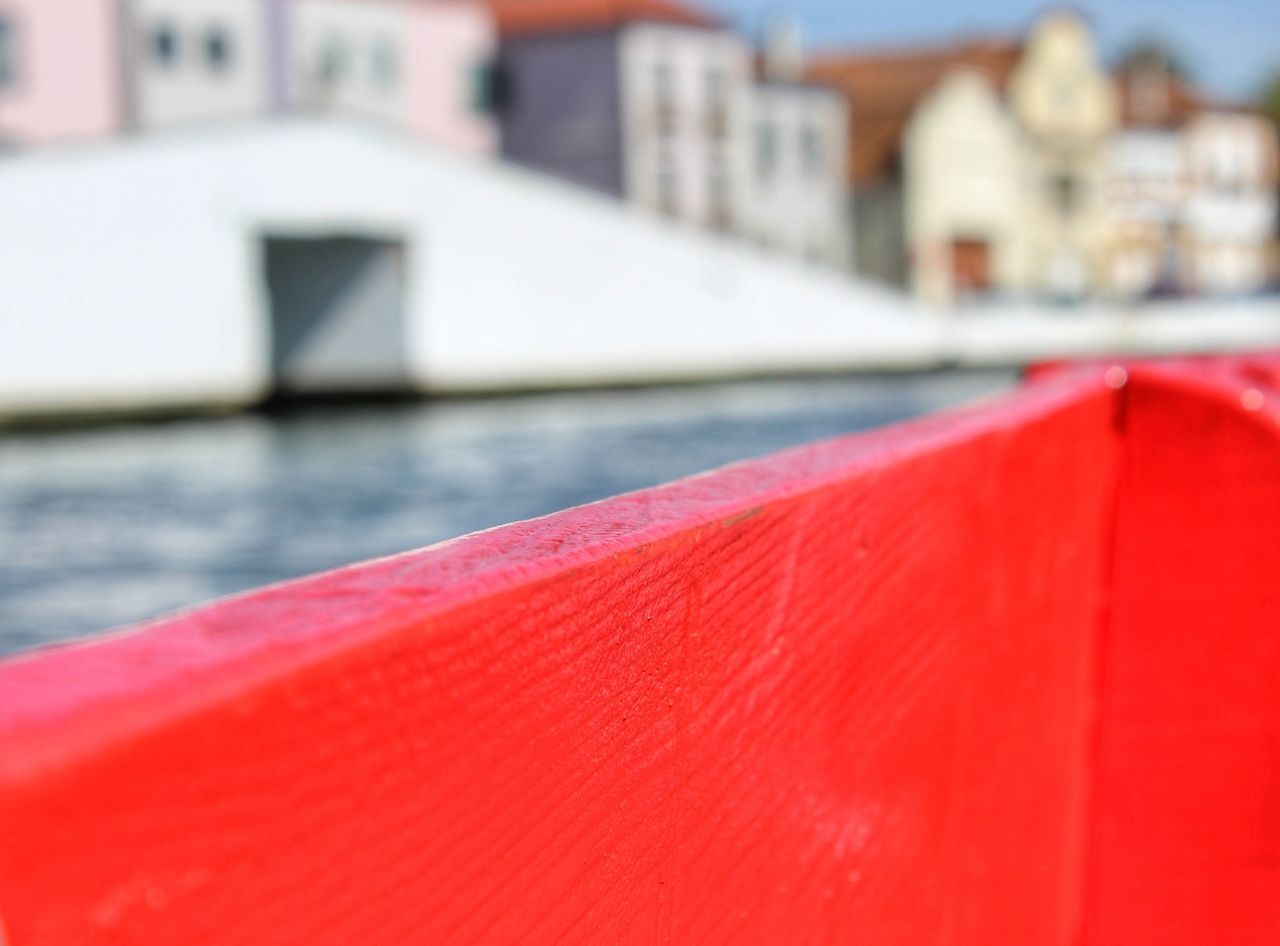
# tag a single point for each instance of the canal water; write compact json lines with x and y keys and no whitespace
{"x":114,"y":525}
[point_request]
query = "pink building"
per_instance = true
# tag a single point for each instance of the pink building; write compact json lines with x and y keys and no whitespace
{"x":61,"y":67}
{"x":453,"y":48}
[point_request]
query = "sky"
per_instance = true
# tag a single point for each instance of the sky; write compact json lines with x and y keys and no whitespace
{"x":1232,"y":46}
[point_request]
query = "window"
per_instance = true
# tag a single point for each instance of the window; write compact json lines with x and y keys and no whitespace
{"x":164,"y":45}
{"x":766,"y":150}
{"x":490,"y":88}
{"x":813,"y":152}
{"x":718,"y":199}
{"x":217,"y":49}
{"x":1065,"y":193}
{"x":333,"y":60}
{"x":664,"y":86}
{"x":667,"y":185}
{"x":716,"y":88}
{"x":8,"y":54}
{"x":385,"y":63}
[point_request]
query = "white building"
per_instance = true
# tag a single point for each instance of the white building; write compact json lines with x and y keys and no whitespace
{"x":1146,"y":194}
{"x":1231,"y":203}
{"x":197,"y":60}
{"x":796,"y":198}
{"x":685,"y":95}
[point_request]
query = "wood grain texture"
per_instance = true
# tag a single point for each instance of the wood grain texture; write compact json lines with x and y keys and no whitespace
{"x":848,"y":693}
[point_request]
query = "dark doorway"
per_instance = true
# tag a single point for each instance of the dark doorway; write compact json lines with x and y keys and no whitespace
{"x":337,"y":308}
{"x":970,"y":266}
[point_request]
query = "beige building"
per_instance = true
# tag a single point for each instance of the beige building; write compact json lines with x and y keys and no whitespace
{"x":1003,"y":187}
{"x":963,"y":170}
{"x":1066,"y":109}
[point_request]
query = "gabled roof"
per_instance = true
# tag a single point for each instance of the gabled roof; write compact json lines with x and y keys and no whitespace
{"x":884,"y":88}
{"x":1156,"y":99}
{"x":523,"y":17}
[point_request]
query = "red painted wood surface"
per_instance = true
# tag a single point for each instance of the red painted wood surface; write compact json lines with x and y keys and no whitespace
{"x":962,"y":681}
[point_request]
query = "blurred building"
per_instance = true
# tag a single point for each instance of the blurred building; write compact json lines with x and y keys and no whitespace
{"x":76,"y":69}
{"x":1231,"y":201}
{"x":1191,"y":188}
{"x":796,"y":197}
{"x":1065,"y":106}
{"x":661,"y":105}
{"x":643,"y":99}
{"x":883,"y":89}
{"x":1026,"y":169}
{"x":60,"y":70}
{"x":426,"y":65}
{"x":977,"y":169}
{"x":196,"y":60}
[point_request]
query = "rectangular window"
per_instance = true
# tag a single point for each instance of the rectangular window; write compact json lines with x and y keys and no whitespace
{"x":491,"y":90}
{"x":8,"y":54}
{"x":766,"y":150}
{"x":718,"y":200}
{"x":163,"y":42}
{"x":1066,"y":193}
{"x":664,"y":86}
{"x":667,"y":190}
{"x":716,"y":89}
{"x":813,"y":153}
{"x":384,"y":63}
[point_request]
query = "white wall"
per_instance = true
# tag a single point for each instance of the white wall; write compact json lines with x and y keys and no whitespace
{"x":131,"y":277}
{"x":131,"y":273}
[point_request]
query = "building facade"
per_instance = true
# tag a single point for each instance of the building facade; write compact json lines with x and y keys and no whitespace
{"x":1066,"y":108}
{"x":647,"y":102}
{"x":1231,"y":165}
{"x":1027,"y":169}
{"x":75,"y":69}
{"x":1146,"y":192}
{"x":61,"y":71}
{"x":198,"y":60}
{"x":964,"y":163}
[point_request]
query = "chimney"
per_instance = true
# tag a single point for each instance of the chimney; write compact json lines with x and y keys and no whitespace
{"x":784,"y":50}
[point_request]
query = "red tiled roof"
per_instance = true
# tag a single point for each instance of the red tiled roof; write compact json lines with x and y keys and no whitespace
{"x":883,"y":89}
{"x":557,"y":16}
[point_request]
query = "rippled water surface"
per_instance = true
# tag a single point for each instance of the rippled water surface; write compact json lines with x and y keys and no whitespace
{"x":114,"y":525}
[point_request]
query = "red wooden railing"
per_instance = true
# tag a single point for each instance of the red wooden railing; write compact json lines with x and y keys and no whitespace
{"x":1004,"y":676}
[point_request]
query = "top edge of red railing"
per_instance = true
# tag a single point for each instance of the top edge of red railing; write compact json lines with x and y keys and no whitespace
{"x":92,"y":690}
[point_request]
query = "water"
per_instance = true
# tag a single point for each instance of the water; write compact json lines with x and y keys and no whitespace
{"x":115,"y":525}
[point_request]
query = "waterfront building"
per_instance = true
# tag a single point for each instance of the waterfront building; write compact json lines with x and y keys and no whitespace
{"x":1066,"y":108}
{"x":795,"y":194}
{"x":198,"y":60}
{"x":1191,"y":189}
{"x":883,"y":89}
{"x":77,"y":69}
{"x":60,"y":76}
{"x":1026,"y":169}
{"x":963,"y":163}
{"x":1231,"y":161}
{"x":646,"y":100}
{"x":425,"y":65}
{"x":975,"y":168}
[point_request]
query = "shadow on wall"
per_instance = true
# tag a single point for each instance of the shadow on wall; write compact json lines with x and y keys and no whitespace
{"x":337,"y":305}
